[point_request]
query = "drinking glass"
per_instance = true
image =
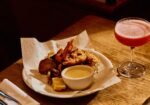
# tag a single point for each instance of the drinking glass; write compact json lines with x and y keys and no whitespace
{"x":133,"y":32}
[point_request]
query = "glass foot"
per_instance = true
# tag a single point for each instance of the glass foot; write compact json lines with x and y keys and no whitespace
{"x":131,"y":69}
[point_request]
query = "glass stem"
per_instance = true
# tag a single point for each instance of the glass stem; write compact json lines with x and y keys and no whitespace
{"x":132,"y":53}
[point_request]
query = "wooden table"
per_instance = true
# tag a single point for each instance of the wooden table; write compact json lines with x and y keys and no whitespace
{"x":100,"y":30}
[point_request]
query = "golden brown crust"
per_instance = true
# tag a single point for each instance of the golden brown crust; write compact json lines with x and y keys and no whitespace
{"x":63,"y":58}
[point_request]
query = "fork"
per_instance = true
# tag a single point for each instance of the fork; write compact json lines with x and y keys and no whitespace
{"x":3,"y":94}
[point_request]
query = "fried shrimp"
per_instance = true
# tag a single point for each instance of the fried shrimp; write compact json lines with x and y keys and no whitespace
{"x":75,"y":57}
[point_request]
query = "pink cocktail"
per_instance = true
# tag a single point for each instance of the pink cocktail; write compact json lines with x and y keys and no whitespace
{"x":132,"y":32}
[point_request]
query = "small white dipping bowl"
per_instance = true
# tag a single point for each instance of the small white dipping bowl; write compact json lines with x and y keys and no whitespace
{"x":81,"y":82}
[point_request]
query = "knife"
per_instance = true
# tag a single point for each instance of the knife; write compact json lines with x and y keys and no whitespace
{"x":3,"y":94}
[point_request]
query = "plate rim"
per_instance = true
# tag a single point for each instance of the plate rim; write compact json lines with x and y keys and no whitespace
{"x":108,"y":64}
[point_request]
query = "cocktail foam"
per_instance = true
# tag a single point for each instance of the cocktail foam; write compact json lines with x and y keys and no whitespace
{"x":133,"y":28}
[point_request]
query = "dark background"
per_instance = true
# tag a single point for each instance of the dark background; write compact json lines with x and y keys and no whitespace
{"x":45,"y":18}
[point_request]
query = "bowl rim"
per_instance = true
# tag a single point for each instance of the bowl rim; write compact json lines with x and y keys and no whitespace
{"x":81,"y":78}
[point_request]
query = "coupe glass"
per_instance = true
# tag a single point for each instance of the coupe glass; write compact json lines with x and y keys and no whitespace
{"x":133,"y":32}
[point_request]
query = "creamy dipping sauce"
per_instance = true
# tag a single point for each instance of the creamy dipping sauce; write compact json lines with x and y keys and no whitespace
{"x":78,"y":72}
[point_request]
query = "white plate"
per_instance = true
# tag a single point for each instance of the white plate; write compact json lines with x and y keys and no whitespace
{"x":105,"y":78}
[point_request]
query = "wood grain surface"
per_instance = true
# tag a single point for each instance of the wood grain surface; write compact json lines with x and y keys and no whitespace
{"x":101,"y":32}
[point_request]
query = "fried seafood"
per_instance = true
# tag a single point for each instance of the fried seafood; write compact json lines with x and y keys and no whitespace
{"x":53,"y":65}
{"x":75,"y":57}
{"x":92,"y":59}
{"x":58,"y":56}
{"x":68,"y":49}
{"x":46,"y":65}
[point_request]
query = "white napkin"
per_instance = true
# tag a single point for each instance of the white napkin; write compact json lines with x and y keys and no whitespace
{"x":11,"y":89}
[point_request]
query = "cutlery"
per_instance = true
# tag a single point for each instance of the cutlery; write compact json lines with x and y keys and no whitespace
{"x":2,"y":102}
{"x":3,"y":94}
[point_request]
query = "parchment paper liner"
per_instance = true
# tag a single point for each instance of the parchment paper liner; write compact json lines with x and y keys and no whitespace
{"x":34,"y":51}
